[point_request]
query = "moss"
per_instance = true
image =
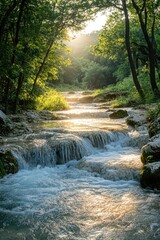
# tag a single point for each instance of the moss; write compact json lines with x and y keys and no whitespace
{"x":131,"y":122}
{"x":119,"y":114}
{"x":8,"y":163}
{"x":150,"y":155}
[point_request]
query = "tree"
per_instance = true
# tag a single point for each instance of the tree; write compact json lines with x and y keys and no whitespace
{"x":146,"y":11}
{"x":128,"y":47}
{"x":30,"y":32}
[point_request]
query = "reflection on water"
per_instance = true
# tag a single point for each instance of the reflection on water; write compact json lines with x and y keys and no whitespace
{"x":95,"y":198}
{"x":84,"y":124}
{"x":67,"y":203}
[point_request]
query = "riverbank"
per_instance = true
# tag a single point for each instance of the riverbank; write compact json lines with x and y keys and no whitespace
{"x":21,"y":125}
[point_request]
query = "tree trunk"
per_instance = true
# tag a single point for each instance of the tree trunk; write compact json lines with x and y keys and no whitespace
{"x":129,"y":52}
{"x":150,"y":45}
{"x":19,"y":86}
{"x":15,"y":42}
{"x":4,"y":19}
{"x":41,"y":66}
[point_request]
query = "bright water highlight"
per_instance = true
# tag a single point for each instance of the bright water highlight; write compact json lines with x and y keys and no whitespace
{"x":95,"y":196}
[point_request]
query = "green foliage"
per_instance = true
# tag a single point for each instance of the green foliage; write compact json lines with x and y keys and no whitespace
{"x":32,"y":35}
{"x":131,"y":100}
{"x":51,"y":100}
{"x":127,"y":85}
{"x":96,"y":75}
{"x":153,"y":113}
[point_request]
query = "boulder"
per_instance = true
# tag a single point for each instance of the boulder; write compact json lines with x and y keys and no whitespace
{"x":10,"y":128}
{"x":6,"y":125}
{"x":32,"y":116}
{"x":47,"y":115}
{"x":86,"y":99}
{"x":150,"y":176}
{"x":136,"y":119}
{"x":151,"y":151}
{"x":109,"y":96}
{"x":8,"y":163}
{"x":154,"y":127}
{"x":119,"y":114}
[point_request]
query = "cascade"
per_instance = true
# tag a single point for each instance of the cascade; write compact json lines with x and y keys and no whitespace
{"x":78,"y":181}
{"x":50,"y":149}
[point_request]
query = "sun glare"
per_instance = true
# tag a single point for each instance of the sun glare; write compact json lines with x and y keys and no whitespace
{"x":94,"y":25}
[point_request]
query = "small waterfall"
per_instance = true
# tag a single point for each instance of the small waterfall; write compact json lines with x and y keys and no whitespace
{"x":39,"y":152}
{"x":70,"y":147}
{"x":59,"y":148}
{"x":100,"y":139}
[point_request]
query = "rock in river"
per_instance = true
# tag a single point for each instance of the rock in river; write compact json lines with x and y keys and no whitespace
{"x":150,"y":176}
{"x":8,"y":163}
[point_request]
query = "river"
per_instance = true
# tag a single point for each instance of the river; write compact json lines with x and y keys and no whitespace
{"x":78,"y":179}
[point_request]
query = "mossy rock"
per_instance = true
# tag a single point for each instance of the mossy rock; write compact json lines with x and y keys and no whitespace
{"x":119,"y":114}
{"x":131,"y":122}
{"x":154,"y":128}
{"x":8,"y":163}
{"x":151,"y":152}
{"x":150,"y":176}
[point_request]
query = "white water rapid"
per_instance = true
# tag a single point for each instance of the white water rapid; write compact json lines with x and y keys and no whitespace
{"x":79,"y":180}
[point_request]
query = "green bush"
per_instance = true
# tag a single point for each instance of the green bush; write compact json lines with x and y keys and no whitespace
{"x":153,"y":113}
{"x":51,"y":100}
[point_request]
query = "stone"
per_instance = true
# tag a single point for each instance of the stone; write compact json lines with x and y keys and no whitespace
{"x":154,"y":127}
{"x":119,"y":114}
{"x":8,"y":163}
{"x":151,"y":151}
{"x":86,"y":99}
{"x":136,"y":119}
{"x":109,"y":96}
{"x":32,"y":116}
{"x":150,"y":176}
{"x":47,"y":115}
{"x":6,"y":125}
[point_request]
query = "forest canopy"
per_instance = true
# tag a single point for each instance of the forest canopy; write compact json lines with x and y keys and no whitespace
{"x":33,"y":37}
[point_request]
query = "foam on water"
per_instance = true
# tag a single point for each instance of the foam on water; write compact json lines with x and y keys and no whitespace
{"x":97,"y":197}
{"x":67,"y":203}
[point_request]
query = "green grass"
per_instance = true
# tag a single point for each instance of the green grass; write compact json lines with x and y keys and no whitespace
{"x":132,"y":98}
{"x":125,"y":85}
{"x":52,"y":101}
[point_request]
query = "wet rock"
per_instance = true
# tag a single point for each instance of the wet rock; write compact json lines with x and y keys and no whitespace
{"x":21,"y":128}
{"x":154,"y":127}
{"x":119,"y":114}
{"x":151,"y":151}
{"x":136,"y":119}
{"x":8,"y":163}
{"x":109,"y":96}
{"x":10,"y":128}
{"x":86,"y":99}
{"x":6,"y":125}
{"x":17,"y":118}
{"x":150,"y":176}
{"x":47,"y":115}
{"x":32,"y":116}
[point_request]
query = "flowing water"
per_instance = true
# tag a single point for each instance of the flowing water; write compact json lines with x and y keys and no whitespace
{"x":78,"y":179}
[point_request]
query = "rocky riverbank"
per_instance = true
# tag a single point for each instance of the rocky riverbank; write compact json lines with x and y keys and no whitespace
{"x":21,"y":124}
